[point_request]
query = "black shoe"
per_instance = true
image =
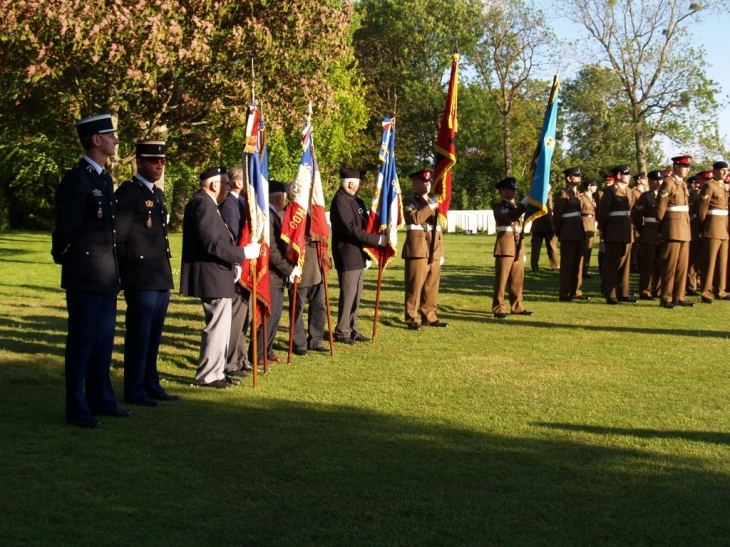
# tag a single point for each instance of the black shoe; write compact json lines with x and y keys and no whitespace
{"x":556,"y":269}
{"x":666,"y":304}
{"x":144,"y":401}
{"x":726,"y":297}
{"x":565,"y":299}
{"x":706,"y":300}
{"x":246,"y":367}
{"x":300,"y":352}
{"x":690,"y":292}
{"x":239,"y":373}
{"x":685,"y":304}
{"x":500,"y":316}
{"x":611,"y":301}
{"x":165,"y":397}
{"x":628,"y":299}
{"x":233,"y":381}
{"x":581,"y":297}
{"x":320,"y":349}
{"x":524,"y":312}
{"x":217,"y":384}
{"x":438,"y":323}
{"x":414,"y":326}
{"x":118,"y":413}
{"x":360,"y":338}
{"x":587,"y":276}
{"x":646,"y":297}
{"x":89,"y":423}
{"x":348,"y":341}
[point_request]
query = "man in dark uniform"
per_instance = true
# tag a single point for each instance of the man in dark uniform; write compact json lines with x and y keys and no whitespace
{"x":509,"y":251}
{"x":208,"y":258}
{"x":673,"y":215}
{"x":572,"y":237}
{"x":281,"y":272}
{"x":641,"y":186}
{"x":694,"y":266}
{"x":310,"y":291}
{"x":144,"y":260}
{"x":643,"y":216}
{"x":348,"y":218}
{"x":84,"y":243}
{"x":712,"y":214}
{"x":614,"y":221}
{"x":543,"y":230}
{"x":234,"y":215}
{"x":423,"y":252}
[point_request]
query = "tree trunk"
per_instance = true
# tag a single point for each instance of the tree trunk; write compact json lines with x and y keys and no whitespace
{"x":640,"y":143}
{"x":507,"y":118}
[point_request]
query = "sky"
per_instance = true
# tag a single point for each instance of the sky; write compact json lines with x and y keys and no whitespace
{"x":711,"y":32}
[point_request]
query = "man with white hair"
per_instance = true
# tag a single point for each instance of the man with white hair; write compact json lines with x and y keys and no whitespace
{"x":211,"y":265}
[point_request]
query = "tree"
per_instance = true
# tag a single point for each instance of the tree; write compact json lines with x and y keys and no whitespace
{"x":647,"y":44}
{"x":514,"y":37}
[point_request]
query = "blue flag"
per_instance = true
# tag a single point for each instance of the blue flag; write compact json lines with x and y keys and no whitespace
{"x":540,"y":169}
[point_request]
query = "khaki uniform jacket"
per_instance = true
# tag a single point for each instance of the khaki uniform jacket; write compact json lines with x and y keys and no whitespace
{"x":644,"y":218}
{"x":616,"y":228}
{"x":674,"y":224}
{"x":508,"y":218}
{"x":570,"y":228}
{"x":420,"y":221}
{"x":713,"y":198}
{"x":588,"y":213}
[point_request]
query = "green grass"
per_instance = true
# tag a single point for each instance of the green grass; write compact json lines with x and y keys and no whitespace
{"x":586,"y":424}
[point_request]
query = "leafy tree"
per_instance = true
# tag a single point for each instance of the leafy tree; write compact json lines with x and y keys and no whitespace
{"x":662,"y":75}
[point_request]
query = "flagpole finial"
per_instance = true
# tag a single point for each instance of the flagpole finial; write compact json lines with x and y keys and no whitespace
{"x":253,"y":83}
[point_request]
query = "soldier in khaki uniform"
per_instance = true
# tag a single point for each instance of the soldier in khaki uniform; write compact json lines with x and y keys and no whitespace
{"x":423,"y":252}
{"x":543,"y":230}
{"x":569,"y":228}
{"x":673,"y":214}
{"x":614,"y":221}
{"x":588,"y":215}
{"x":712,"y":213}
{"x":694,"y":279}
{"x":509,"y":251}
{"x":643,"y":216}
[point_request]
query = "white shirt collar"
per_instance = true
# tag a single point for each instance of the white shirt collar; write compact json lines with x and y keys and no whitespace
{"x":95,"y":165}
{"x":148,"y":184}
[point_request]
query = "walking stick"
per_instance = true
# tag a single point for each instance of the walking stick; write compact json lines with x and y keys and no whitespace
{"x":323,"y":269}
{"x":254,"y":313}
{"x":265,"y":333}
{"x":381,"y":267}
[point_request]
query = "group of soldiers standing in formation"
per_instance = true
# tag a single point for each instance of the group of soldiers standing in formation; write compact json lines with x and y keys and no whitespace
{"x":672,"y":229}
{"x":106,"y":241}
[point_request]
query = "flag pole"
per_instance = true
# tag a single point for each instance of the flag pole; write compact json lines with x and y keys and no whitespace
{"x":254,"y":297}
{"x":323,"y":269}
{"x":292,"y":316}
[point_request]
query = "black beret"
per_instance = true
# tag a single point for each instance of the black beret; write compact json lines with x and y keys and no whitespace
{"x":350,"y":173}
{"x":656,"y":175}
{"x":95,"y":125}
{"x":623,"y":169}
{"x":719,"y":165}
{"x":640,"y":175}
{"x":573,"y":171}
{"x":212,"y":172}
{"x":423,"y":174}
{"x":276,"y":186}
{"x":150,"y":149}
{"x":507,"y":184}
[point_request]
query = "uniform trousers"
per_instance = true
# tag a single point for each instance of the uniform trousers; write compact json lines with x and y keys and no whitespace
{"x":89,"y":343}
{"x":649,"y":278}
{"x":616,"y":269}
{"x":422,"y":289}
{"x":144,"y":321}
{"x":272,"y":324}
{"x":694,"y":265}
{"x":316,"y":314}
{"x":214,"y":341}
{"x":571,"y":276}
{"x":587,"y":252}
{"x":351,"y":284}
{"x":674,"y":262}
{"x":237,"y":356}
{"x":714,"y":267}
{"x":536,"y":240}
{"x":509,"y":273}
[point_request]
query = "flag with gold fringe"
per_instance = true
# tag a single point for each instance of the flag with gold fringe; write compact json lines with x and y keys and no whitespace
{"x":445,"y":148}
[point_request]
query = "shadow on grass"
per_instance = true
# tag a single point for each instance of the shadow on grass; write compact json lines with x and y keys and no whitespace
{"x":234,"y":470}
{"x":714,"y":437}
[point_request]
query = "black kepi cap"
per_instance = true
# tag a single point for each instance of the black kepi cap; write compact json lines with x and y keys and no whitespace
{"x":589,"y":182}
{"x":150,"y":149}
{"x":640,"y":175}
{"x":212,"y":172}
{"x":423,"y":174}
{"x":623,"y":169}
{"x":656,"y":175}
{"x":573,"y":172}
{"x":719,"y":165}
{"x":276,"y":186}
{"x":95,"y":125}
{"x":508,"y":183}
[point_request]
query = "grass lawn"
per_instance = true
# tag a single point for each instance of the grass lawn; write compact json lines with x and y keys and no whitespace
{"x":584,"y":425}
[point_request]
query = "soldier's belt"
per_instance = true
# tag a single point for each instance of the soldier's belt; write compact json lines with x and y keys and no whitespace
{"x":429,"y":228}
{"x":717,"y":212}
{"x":509,"y":229}
{"x":619,"y":213}
{"x":649,"y":220}
{"x":678,"y":208}
{"x":570,"y":215}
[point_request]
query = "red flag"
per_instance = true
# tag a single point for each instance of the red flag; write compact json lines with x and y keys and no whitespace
{"x":445,"y":147}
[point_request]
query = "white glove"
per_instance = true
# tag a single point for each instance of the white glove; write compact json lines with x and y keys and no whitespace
{"x":524,"y":201}
{"x":383,"y":240}
{"x":296,"y":272}
{"x":433,"y":203}
{"x":441,"y":261}
{"x":368,"y":263}
{"x":237,"y":273}
{"x":252,"y":250}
